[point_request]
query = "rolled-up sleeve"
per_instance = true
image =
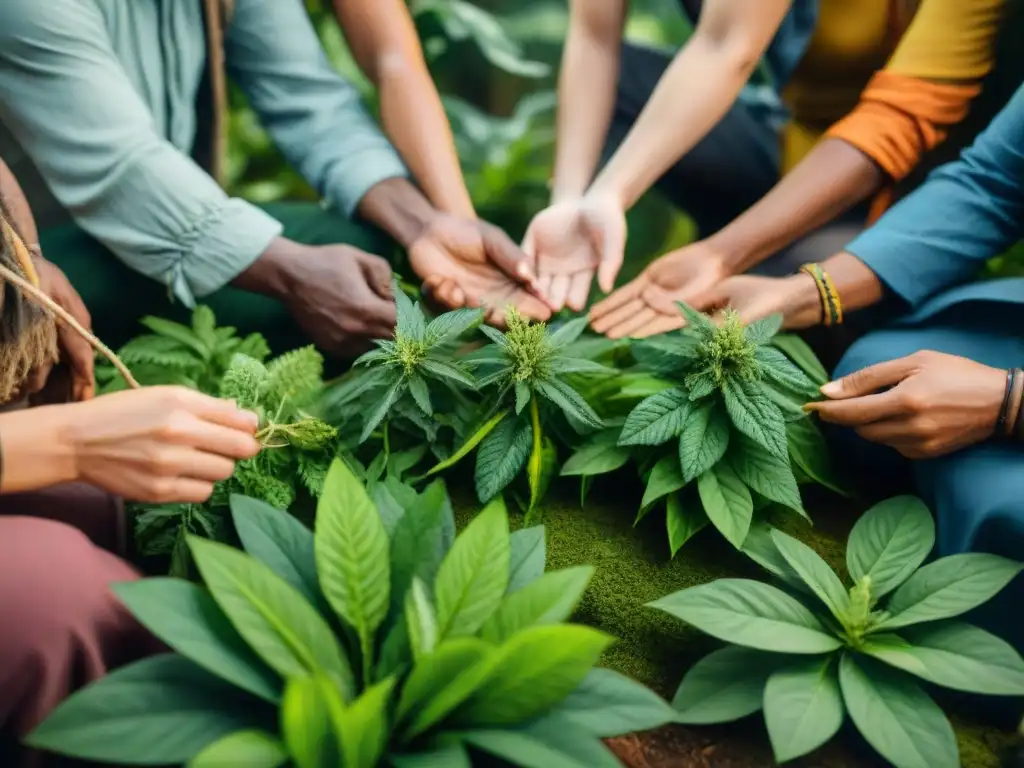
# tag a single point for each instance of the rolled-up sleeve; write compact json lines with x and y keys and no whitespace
{"x":315,"y":117}
{"x":965,"y":213}
{"x":69,"y":103}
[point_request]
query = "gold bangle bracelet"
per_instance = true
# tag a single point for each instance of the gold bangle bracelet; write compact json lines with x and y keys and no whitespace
{"x":832,"y":309}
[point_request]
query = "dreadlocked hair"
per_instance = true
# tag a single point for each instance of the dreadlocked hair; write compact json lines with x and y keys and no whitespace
{"x":28,"y":334}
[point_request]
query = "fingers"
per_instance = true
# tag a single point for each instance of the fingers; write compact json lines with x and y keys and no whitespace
{"x":858,"y":411}
{"x":613,"y":247}
{"x":447,"y":292}
{"x":79,"y":357}
{"x":892,"y":432}
{"x":559,"y":291}
{"x":618,"y":299}
{"x":579,"y":290}
{"x":660,"y":324}
{"x":622,"y":314}
{"x":214,"y":410}
{"x":508,"y":257}
{"x":632,"y":323}
{"x":377,"y":273}
{"x":530,"y":306}
{"x":870,"y":379}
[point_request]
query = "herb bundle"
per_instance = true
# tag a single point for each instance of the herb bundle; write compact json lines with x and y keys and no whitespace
{"x":813,"y":650}
{"x":379,"y":639}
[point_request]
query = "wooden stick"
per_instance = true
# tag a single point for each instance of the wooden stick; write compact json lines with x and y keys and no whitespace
{"x":51,"y":306}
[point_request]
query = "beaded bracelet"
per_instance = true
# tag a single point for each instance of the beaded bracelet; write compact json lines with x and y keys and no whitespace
{"x":832,"y":307}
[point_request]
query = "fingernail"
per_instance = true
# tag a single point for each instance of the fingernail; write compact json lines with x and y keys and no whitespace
{"x":809,"y":407}
{"x":832,"y":388}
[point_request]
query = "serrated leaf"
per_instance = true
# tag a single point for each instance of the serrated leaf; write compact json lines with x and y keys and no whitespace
{"x":727,"y":502}
{"x":451,"y":325}
{"x":751,"y":614}
{"x":657,"y":419}
{"x":569,"y":401}
{"x":598,"y":456}
{"x":803,"y":707}
{"x":178,"y":332}
{"x":725,"y":685}
{"x":683,"y":522}
{"x":700,"y":385}
{"x":697,"y":321}
{"x":420,"y":394}
{"x":564,"y":366}
{"x":668,"y":354}
{"x":523,"y":393}
{"x":377,"y":415}
{"x":798,"y":351}
{"x":410,"y":321}
{"x":704,"y":439}
{"x":895,"y":716}
{"x":761,"y":331}
{"x":447,"y":370}
{"x":764,"y":473}
{"x":666,"y":477}
{"x":889,"y":542}
{"x":550,"y":599}
{"x":473,"y":576}
{"x":757,"y":417}
{"x":501,"y":456}
{"x":786,"y":377}
{"x":496,"y":336}
{"x":568,"y":332}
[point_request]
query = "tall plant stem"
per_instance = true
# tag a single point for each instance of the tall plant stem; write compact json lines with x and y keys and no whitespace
{"x":64,"y":316}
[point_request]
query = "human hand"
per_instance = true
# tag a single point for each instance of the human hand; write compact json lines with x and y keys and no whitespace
{"x":570,"y":241}
{"x":937,"y":403}
{"x":796,"y":298}
{"x":470,"y":263}
{"x":647,"y":305}
{"x":155,"y":444}
{"x":75,"y":351}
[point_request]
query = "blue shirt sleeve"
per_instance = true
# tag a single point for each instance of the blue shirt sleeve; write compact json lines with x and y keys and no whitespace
{"x":314,"y":116}
{"x":69,"y":103}
{"x":965,"y":213}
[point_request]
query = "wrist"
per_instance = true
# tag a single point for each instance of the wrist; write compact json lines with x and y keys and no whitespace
{"x":271,"y":274}
{"x":803,"y":304}
{"x":399,"y":208}
{"x":39,"y":449}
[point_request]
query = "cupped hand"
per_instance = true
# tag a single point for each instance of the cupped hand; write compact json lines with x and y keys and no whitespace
{"x":571,"y":241}
{"x":647,"y":305}
{"x":925,"y":405}
{"x":470,"y":263}
{"x":156,"y":444}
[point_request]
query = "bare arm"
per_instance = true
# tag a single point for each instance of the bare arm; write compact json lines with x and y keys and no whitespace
{"x":383,"y":40}
{"x":587,"y":85}
{"x":34,"y":451}
{"x":17,"y":206}
{"x":695,"y":92}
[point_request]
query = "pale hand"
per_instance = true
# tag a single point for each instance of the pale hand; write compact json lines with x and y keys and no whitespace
{"x":571,"y":241}
{"x":647,"y":305}
{"x":796,"y":298}
{"x":932,"y":403}
{"x":470,"y":263}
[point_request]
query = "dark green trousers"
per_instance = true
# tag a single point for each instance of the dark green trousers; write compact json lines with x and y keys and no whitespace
{"x":117,"y":296}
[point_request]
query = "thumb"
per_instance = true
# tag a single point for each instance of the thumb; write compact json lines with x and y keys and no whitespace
{"x":870,"y":379}
{"x":613,"y":249}
{"x":508,"y":257}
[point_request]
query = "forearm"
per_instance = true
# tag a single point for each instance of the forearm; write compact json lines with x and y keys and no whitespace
{"x":34,"y":453}
{"x":834,"y":177}
{"x":856,"y":285}
{"x":587,"y":85}
{"x":17,"y":206}
{"x":399,"y":208}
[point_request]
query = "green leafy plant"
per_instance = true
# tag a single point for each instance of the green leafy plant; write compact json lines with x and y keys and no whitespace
{"x":813,"y":650}
{"x":298,"y":448}
{"x":728,"y":406}
{"x":379,"y":639}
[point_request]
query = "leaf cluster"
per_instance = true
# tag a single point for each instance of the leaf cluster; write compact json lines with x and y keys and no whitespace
{"x":814,"y":649}
{"x":195,"y":356}
{"x":382,"y":638}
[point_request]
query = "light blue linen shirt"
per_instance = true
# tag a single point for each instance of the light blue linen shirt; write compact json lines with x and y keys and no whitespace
{"x":98,"y":109}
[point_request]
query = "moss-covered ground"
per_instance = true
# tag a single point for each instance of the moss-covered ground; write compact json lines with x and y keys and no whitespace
{"x":633,"y":567}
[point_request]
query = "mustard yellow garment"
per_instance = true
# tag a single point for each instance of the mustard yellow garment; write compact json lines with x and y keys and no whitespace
{"x":943,"y":42}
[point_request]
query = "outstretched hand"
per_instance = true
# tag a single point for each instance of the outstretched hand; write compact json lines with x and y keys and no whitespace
{"x":572,"y":241}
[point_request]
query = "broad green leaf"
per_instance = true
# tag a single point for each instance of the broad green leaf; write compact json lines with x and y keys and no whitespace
{"x":797,"y":350}
{"x":501,"y":456}
{"x":696,"y":321}
{"x":532,"y":672}
{"x":395,"y":388}
{"x":400,"y":462}
{"x":273,"y":617}
{"x":548,"y":600}
{"x":363,"y":726}
{"x":598,"y":456}
{"x":571,"y":740}
{"x":185,"y":616}
{"x":451,"y":325}
{"x":757,"y":417}
{"x":954,"y":655}
{"x":948,"y":587}
{"x":309,"y":711}
{"x":157,"y":711}
{"x":803,"y":707}
{"x":279,"y":541}
{"x":668,"y":354}
{"x":657,"y":419}
{"x":467,"y":447}
{"x":751,"y":614}
{"x":761,"y":331}
{"x":540,"y":468}
{"x":704,"y":439}
{"x":683,"y":522}
{"x":352,"y":557}
{"x":725,"y":685}
{"x":700,"y":384}
{"x":420,"y":541}
{"x":785,"y":376}
{"x":809,"y":452}
{"x":814,"y":572}
{"x":447,"y":371}
{"x":178,"y":332}
{"x":607,"y":704}
{"x":474,"y":574}
{"x":496,"y":336}
{"x":727,"y":502}
{"x":442,"y":681}
{"x":392,"y":498}
{"x":526,"y":557}
{"x":569,"y":401}
{"x":420,"y":394}
{"x":764,"y":473}
{"x":568,"y":332}
{"x":666,"y":477}
{"x":410,"y":321}
{"x":760,"y":547}
{"x":895,"y":716}
{"x":251,"y":748}
{"x":564,"y":366}
{"x":420,"y":620}
{"x":449,"y":756}
{"x":889,"y":542}
{"x":521,"y":749}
